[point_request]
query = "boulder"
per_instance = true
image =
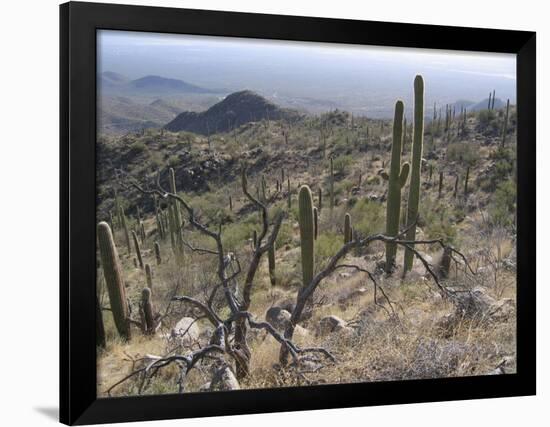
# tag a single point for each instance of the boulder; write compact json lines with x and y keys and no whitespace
{"x":223,"y":380}
{"x":333,"y":324}
{"x":277,"y":317}
{"x":186,"y":331}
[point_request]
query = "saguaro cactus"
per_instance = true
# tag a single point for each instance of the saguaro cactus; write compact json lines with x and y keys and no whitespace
{"x":149,"y":276}
{"x":445,"y":263}
{"x":440,"y":185}
{"x":315,"y":223}
{"x":114,"y":280}
{"x":160,"y":227}
{"x":289,"y":194}
{"x":271,"y":264}
{"x":396,"y":180}
{"x":414,"y":188}
{"x":177,"y":221}
{"x":347,"y":228}
{"x":306,"y":221}
{"x":147,"y":308}
{"x":125,"y":229}
{"x":331,"y":185}
{"x":99,"y":326}
{"x":157,"y":253}
{"x":137,"y":248}
{"x":505,"y":124}
{"x":466,"y":179}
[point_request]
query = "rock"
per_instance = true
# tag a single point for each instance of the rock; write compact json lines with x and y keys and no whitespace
{"x":224,"y":379}
{"x":205,"y":387}
{"x":503,"y":309}
{"x":277,"y":317}
{"x":473,"y":303}
{"x":186,"y":331}
{"x":351,"y":296}
{"x":330,"y":324}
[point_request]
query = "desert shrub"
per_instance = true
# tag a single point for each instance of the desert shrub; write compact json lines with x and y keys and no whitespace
{"x":437,"y":220}
{"x":466,"y":153}
{"x":326,"y":246}
{"x":341,"y":163}
{"x":503,"y":204}
{"x":504,"y":161}
{"x":172,"y":161}
{"x":138,"y":147}
{"x":368,"y":217}
{"x":285,"y":235}
{"x":486,"y":116}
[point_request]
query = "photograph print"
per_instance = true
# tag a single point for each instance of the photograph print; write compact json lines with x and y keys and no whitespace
{"x":277,"y":213}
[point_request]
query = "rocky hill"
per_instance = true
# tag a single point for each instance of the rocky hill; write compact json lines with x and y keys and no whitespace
{"x":235,"y":110}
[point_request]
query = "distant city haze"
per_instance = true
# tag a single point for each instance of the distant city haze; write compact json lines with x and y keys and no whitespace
{"x":312,"y":77}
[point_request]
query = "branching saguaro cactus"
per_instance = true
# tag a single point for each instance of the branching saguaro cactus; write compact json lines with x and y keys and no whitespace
{"x":271,"y":264}
{"x":347,"y":228}
{"x":114,"y":280}
{"x":396,"y":180}
{"x":320,"y":198}
{"x":137,"y":248}
{"x":306,"y":221}
{"x":414,"y":187}
{"x":157,"y":253}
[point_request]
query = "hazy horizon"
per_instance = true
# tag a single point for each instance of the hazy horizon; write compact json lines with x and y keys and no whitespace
{"x":363,"y":79}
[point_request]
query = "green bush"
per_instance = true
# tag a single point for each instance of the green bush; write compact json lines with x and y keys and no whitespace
{"x":368,"y":217}
{"x":465,"y":153}
{"x":503,"y":204}
{"x":437,"y":220}
{"x":342,"y":163}
{"x":138,"y":147}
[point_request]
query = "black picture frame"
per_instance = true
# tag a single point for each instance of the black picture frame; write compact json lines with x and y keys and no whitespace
{"x":78,"y":25}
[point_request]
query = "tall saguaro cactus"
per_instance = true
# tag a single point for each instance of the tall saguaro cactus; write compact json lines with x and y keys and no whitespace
{"x":306,"y":221}
{"x":397,"y":179}
{"x":414,"y":187}
{"x":114,"y":280}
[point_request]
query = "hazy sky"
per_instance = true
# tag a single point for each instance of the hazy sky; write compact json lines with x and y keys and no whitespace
{"x":355,"y":76}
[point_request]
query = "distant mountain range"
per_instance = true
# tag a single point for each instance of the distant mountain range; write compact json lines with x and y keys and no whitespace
{"x":235,"y":110}
{"x":111,"y":81}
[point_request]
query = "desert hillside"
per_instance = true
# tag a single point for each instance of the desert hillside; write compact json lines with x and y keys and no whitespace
{"x":269,"y":249}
